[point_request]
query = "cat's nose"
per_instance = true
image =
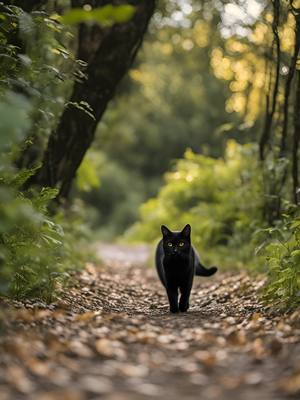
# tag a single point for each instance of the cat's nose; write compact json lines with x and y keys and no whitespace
{"x":175,"y":249}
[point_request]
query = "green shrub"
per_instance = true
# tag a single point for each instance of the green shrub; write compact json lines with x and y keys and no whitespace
{"x":36,"y":250}
{"x":280,"y":247}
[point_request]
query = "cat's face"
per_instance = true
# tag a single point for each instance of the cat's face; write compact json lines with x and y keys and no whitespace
{"x":176,"y":243}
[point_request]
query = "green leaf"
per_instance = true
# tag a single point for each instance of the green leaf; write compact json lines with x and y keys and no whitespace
{"x":19,"y":179}
{"x":83,"y":106}
{"x":14,"y":120}
{"x":261,"y":246}
{"x":49,"y":239}
{"x":123,"y":13}
{"x":106,"y":15}
{"x":296,"y":255}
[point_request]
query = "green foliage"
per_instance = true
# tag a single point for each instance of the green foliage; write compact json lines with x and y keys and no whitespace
{"x":40,"y":66}
{"x":29,"y":240}
{"x":88,"y":173}
{"x":106,"y":15}
{"x":220,"y":198}
{"x":280,"y":247}
{"x":28,"y":248}
{"x":117,"y":199}
{"x":14,"y":119}
{"x":38,"y":253}
{"x":37,"y":250}
{"x":35,"y":253}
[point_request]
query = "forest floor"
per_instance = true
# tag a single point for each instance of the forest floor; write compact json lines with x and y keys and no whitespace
{"x":110,"y":336}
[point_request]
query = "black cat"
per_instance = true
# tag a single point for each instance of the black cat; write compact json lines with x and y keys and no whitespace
{"x":177,"y":262}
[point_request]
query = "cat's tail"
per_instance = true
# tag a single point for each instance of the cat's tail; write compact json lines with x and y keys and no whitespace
{"x":202,"y":271}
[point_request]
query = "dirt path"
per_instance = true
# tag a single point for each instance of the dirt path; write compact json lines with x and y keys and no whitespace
{"x":110,"y":337}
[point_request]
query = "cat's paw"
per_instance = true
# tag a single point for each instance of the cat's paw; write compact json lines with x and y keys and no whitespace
{"x":184,"y":307}
{"x":174,"y":310}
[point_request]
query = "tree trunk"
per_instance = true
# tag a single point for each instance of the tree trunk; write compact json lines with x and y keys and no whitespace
{"x":287,"y":91}
{"x":296,"y":139}
{"x":266,"y":134}
{"x":109,"y":53}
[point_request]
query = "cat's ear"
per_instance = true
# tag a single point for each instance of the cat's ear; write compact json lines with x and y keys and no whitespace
{"x":165,"y":231}
{"x":186,"y":231}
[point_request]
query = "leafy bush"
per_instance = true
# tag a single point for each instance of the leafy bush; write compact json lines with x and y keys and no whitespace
{"x":36,"y":250}
{"x":280,"y":247}
{"x":220,"y":198}
{"x":39,"y":65}
{"x":29,"y":248}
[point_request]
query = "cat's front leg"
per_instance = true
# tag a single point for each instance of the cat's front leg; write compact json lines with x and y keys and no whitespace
{"x":184,"y":299}
{"x":173,"y":299}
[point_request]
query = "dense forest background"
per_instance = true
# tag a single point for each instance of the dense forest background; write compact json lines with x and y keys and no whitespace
{"x":118,"y":116}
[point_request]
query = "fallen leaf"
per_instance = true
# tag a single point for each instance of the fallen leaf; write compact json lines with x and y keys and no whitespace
{"x":95,"y":384}
{"x":17,"y":377}
{"x":237,"y":338}
{"x":86,"y":316}
{"x":136,"y":371}
{"x":110,"y":348}
{"x":258,"y":349}
{"x":291,"y":384}
{"x":80,"y":349}
{"x":37,"y":367}
{"x":206,"y":358}
{"x":253,"y":378}
{"x":60,"y":394}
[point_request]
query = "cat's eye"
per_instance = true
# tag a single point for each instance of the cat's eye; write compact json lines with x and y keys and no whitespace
{"x":170,"y":244}
{"x":181,"y":244}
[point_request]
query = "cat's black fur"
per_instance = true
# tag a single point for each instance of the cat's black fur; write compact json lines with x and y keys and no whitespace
{"x":176,"y":266}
